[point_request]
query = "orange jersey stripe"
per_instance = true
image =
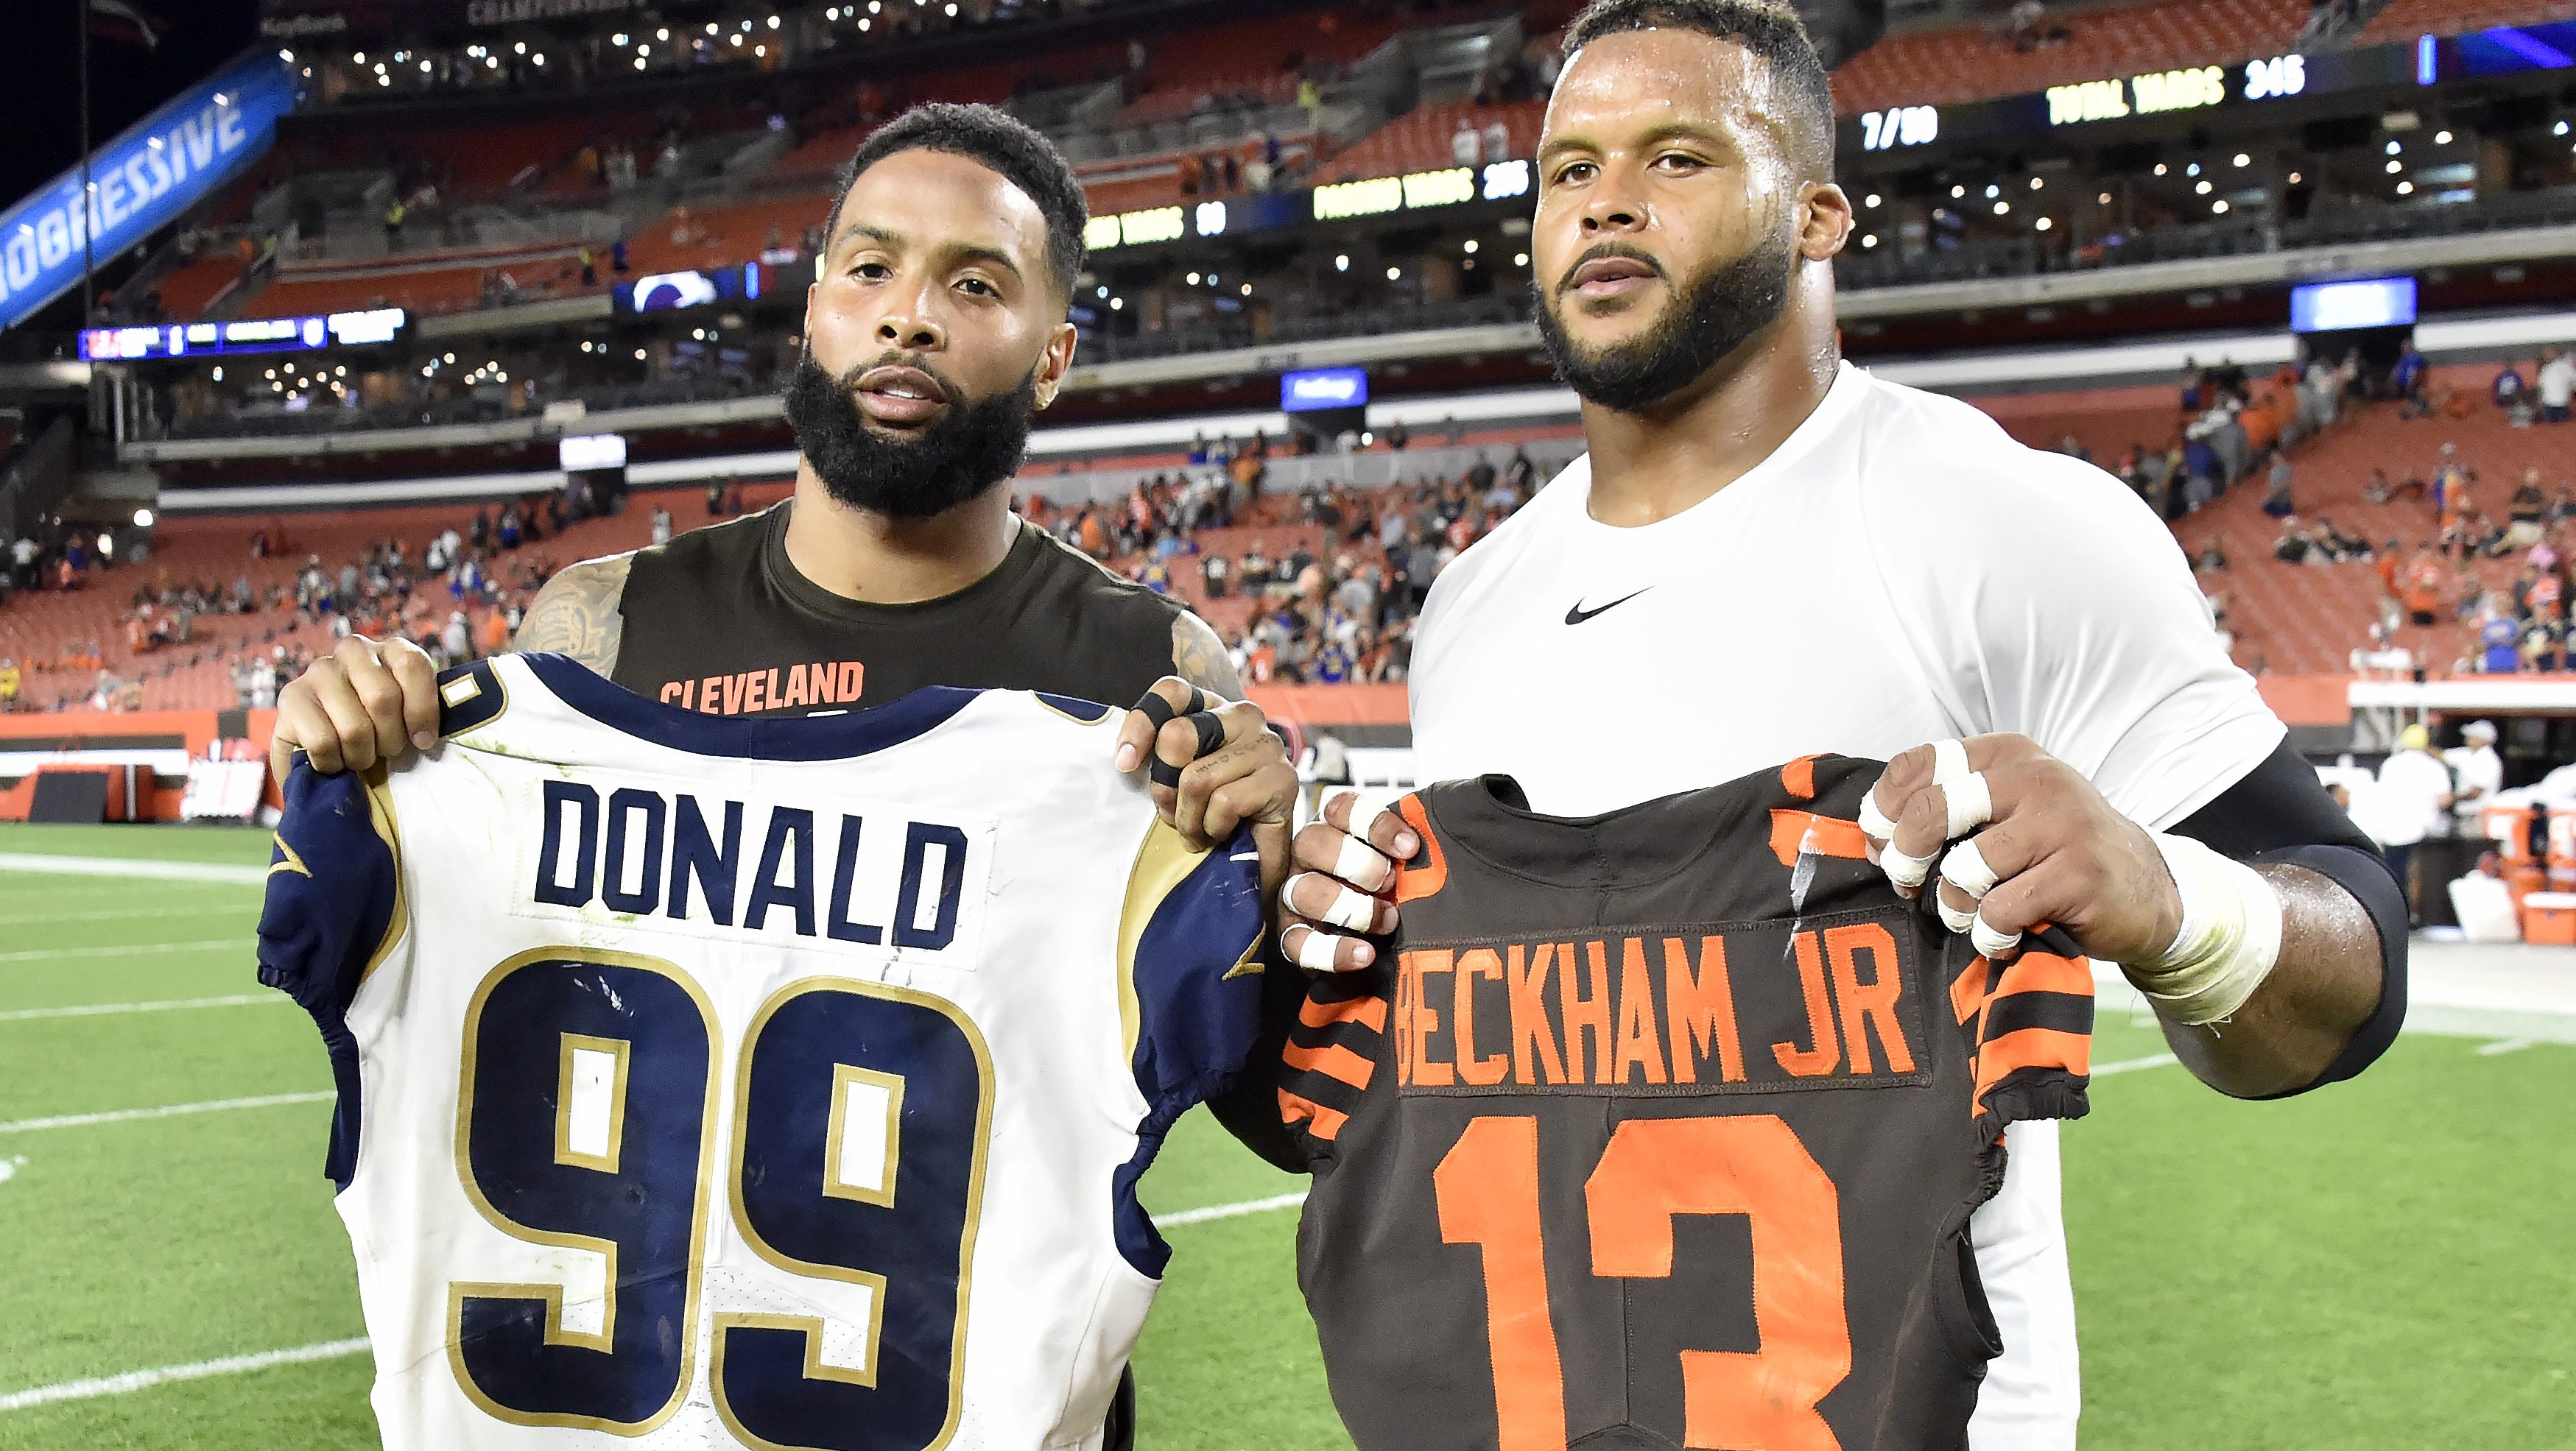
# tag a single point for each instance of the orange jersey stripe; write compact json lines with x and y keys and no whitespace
{"x":1333,"y":1061}
{"x":1412,"y":882}
{"x":1324,"y":1123}
{"x":2032,"y":1048}
{"x":1795,"y":831}
{"x":1368,"y":1009}
{"x":2046,"y":972}
{"x":1798,"y":778}
{"x":1968,"y":989}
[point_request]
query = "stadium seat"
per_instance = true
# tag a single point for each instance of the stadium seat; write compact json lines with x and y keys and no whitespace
{"x":1970,"y":63}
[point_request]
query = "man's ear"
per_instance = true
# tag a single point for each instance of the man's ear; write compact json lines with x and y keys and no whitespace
{"x":1824,"y":221}
{"x":1056,"y":361}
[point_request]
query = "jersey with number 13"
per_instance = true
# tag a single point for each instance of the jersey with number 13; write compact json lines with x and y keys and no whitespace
{"x":1662,"y":1129}
{"x":711,"y":1082}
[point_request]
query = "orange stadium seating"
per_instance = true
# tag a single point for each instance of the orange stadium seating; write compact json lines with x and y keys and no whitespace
{"x":431,"y":283}
{"x":195,"y":283}
{"x":2306,"y":619}
{"x":1419,"y":140}
{"x":2404,"y":20}
{"x":1947,"y":67}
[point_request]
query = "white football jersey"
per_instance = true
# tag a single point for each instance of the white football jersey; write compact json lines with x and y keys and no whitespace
{"x":780,"y":1083}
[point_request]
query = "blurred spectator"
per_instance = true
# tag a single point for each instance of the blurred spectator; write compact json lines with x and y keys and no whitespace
{"x":2414,"y":792}
{"x":2477,"y":768}
{"x":2557,"y":385}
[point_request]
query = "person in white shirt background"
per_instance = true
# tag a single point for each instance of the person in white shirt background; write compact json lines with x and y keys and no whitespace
{"x":2476,"y":770}
{"x":2557,"y":385}
{"x":1768,"y":553}
{"x":2414,"y":791}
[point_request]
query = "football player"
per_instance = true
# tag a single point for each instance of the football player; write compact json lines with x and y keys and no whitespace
{"x":1768,"y":552}
{"x":935,"y":334}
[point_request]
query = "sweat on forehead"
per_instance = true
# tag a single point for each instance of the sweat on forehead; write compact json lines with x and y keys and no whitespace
{"x":1771,"y":56}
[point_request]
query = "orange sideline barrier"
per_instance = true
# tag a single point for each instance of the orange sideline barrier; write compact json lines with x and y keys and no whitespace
{"x":2307,"y":700}
{"x":72,"y":732}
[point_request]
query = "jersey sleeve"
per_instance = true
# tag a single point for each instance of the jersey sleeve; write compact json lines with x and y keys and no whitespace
{"x":333,"y":909}
{"x":1190,"y":972}
{"x":2090,"y":635}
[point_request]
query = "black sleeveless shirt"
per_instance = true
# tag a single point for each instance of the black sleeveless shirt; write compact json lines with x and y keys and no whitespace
{"x":719,"y":621}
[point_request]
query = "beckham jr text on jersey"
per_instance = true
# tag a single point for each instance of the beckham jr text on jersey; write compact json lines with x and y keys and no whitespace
{"x":710,"y":1082}
{"x":1662,"y":1129}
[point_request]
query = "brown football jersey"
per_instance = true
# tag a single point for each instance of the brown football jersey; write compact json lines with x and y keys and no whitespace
{"x":1663,"y":1129}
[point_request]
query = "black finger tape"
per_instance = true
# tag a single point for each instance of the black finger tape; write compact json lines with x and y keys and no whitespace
{"x":1211,"y":732}
{"x":1156,"y":709}
{"x":1163,"y":773}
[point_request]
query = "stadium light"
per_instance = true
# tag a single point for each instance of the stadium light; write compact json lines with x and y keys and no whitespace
{"x":359,"y":59}
{"x":219,"y":373}
{"x":864,"y":22}
{"x":2192,"y":170}
{"x":2395,"y":167}
{"x":2034,"y":183}
{"x":1871,"y":200}
{"x":619,"y":39}
{"x":1870,"y":241}
{"x":1470,"y":248}
{"x":2160,"y":168}
{"x":1520,"y":259}
{"x":2042,"y":225}
{"x":760,"y":50}
{"x":773,"y":22}
{"x":1117,"y":303}
{"x":451,"y":357}
{"x":520,"y":48}
{"x":2219,"y":206}
{"x":2203,"y":188}
{"x":2441,"y":138}
{"x":142,"y":518}
{"x":2244,"y":160}
{"x":287,"y":56}
{"x":639,"y":62}
{"x":2104,"y":199}
{"x":639,"y":355}
{"x":952,"y":7}
{"x":1247,"y":289}
{"x":711,"y":27}
{"x":735,"y":38}
{"x":662,"y":34}
{"x":2002,"y":207}
{"x":1194,"y":279}
{"x":1393,"y":273}
{"x":2405,"y":188}
{"x":1957,"y":192}
{"x":1342,"y":262}
{"x":2394,"y":148}
{"x":1993,"y":191}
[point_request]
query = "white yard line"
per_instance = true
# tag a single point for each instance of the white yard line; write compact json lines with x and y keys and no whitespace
{"x":118,"y":914}
{"x":167,"y":1110}
{"x":136,"y":1380}
{"x":109,"y":866}
{"x":2506,"y":1045}
{"x":1228,"y":1211}
{"x":2132,"y":1065}
{"x":98,"y":1010}
{"x":132,"y":949}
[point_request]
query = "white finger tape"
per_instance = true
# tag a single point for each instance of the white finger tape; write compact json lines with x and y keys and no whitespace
{"x":1874,"y":822}
{"x":1964,"y":867}
{"x":1314,"y":951}
{"x":1971,"y":805}
{"x":1957,"y":919}
{"x":1360,"y":864}
{"x":1347,"y":909}
{"x":1949,"y":762}
{"x":1364,"y":830}
{"x":1904,"y":868}
{"x":1989,"y":942}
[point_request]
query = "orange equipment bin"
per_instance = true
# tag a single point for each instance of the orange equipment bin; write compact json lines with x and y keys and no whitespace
{"x":2549,"y":917}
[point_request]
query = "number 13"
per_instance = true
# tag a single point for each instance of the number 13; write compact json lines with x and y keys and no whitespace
{"x":1654,"y":1169}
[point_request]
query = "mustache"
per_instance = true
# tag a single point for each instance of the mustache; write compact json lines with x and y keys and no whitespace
{"x":1609,"y":249}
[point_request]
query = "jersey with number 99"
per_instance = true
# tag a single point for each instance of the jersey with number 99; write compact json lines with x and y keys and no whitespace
{"x":1662,"y":1129}
{"x":711,"y":1082}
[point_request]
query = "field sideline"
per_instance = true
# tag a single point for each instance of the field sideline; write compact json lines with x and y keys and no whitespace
{"x":2384,"y":1264}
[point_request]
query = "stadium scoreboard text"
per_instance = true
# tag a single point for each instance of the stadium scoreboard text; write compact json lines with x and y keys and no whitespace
{"x":251,"y":335}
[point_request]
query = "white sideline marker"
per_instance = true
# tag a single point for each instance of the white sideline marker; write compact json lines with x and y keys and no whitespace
{"x":135,"y":949}
{"x":137,"y":1380}
{"x":2132,"y":1065}
{"x":108,"y":866}
{"x":167,"y":1110}
{"x":2506,"y":1045}
{"x":96,"y":1010}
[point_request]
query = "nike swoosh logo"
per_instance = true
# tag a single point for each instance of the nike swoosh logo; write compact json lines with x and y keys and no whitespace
{"x":1576,"y":614}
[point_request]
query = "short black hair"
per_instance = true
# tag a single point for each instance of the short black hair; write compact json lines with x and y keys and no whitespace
{"x":1772,"y":32}
{"x":998,"y":140}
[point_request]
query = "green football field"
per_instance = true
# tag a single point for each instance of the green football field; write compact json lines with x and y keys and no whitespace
{"x":2385,"y":1264}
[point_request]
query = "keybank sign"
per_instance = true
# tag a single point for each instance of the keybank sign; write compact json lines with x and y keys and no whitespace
{"x":139,"y":182}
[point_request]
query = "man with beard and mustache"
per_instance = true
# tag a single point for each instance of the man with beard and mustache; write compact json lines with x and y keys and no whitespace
{"x":937,"y":332}
{"x":1769,"y":553}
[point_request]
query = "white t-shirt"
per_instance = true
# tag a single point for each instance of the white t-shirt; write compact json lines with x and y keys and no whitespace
{"x":2409,"y":799}
{"x":2558,"y":382}
{"x":1898,"y":571}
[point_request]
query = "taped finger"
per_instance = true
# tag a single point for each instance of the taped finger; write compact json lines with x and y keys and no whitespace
{"x":1990,"y":943}
{"x":1310,"y":949}
{"x":1211,"y":732}
{"x":1362,"y":865}
{"x":1904,"y":868}
{"x":1367,"y":830}
{"x":1345,"y":908}
{"x":1970,"y":804}
{"x":1964,"y":867}
{"x":1949,"y":761}
{"x":1957,"y":919}
{"x":1874,"y":822}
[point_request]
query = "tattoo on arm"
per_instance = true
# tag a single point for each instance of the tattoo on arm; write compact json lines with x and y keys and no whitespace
{"x":577,"y":614}
{"x":1199,"y":657}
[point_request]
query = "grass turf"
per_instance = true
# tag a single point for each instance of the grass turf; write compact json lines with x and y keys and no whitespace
{"x":2380,"y":1265}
